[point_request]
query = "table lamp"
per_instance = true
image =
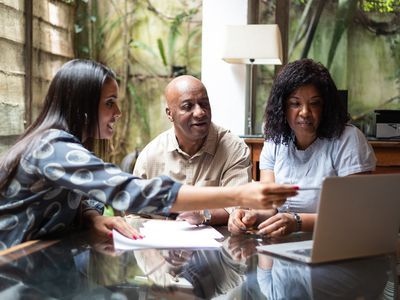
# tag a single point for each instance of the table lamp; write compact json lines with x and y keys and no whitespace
{"x":252,"y":44}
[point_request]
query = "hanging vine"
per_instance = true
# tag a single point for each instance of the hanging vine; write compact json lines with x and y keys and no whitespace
{"x":110,"y":36}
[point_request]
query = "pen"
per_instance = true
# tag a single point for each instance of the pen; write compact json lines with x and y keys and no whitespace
{"x":251,"y":232}
{"x":309,"y":188}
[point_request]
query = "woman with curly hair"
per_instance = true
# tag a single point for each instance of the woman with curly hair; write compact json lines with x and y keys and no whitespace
{"x":307,"y":139}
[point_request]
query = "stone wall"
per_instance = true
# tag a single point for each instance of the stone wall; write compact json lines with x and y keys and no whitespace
{"x":52,"y":45}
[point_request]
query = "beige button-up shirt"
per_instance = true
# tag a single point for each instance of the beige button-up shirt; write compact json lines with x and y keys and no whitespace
{"x":224,"y":160}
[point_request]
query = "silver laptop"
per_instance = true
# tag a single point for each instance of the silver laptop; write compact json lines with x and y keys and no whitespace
{"x":358,"y":216}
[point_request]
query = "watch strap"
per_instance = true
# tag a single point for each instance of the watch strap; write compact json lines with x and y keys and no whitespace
{"x":298,"y":221}
{"x":206,"y":216}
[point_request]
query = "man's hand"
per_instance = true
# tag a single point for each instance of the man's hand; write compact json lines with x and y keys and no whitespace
{"x":192,"y":217}
{"x":241,"y":220}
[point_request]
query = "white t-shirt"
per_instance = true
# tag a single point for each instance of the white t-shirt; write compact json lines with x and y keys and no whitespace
{"x":274,"y":282}
{"x":346,"y":155}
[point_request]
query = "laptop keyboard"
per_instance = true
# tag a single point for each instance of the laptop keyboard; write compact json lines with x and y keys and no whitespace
{"x":304,"y":252}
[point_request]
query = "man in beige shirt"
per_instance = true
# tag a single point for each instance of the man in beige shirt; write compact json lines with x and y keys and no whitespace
{"x":195,"y":151}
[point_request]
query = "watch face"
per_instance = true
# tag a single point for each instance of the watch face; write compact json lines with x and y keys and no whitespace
{"x":207,"y":214}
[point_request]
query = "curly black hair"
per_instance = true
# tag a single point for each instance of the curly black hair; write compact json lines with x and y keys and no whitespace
{"x":292,"y":76}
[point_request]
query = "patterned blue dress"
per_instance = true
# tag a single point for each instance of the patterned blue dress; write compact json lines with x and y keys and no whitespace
{"x":54,"y":177}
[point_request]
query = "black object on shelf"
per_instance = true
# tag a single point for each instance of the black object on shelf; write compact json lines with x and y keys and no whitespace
{"x":387,"y":124}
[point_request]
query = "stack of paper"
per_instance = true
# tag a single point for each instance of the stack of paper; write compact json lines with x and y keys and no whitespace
{"x":164,"y":234}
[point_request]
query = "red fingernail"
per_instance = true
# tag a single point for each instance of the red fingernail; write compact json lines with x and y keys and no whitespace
{"x":296,"y":187}
{"x":110,"y":234}
{"x":141,"y":236}
{"x":134,"y":237}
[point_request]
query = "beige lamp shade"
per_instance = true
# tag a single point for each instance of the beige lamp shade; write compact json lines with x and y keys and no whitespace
{"x":259,"y":42}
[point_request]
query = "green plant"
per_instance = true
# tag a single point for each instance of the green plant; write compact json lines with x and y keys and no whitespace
{"x":140,"y":110}
{"x":344,"y":17}
{"x":117,"y":33}
{"x":382,"y":6}
{"x":173,"y":57}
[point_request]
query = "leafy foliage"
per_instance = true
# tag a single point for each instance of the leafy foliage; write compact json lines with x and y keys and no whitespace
{"x":142,"y":44}
{"x":382,"y":6}
{"x":344,"y":17}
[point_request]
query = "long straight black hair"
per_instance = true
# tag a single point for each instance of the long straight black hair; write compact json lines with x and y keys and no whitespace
{"x":71,"y":104}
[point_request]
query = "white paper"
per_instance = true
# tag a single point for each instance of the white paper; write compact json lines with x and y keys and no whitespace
{"x":162,"y":234}
{"x":167,"y":227}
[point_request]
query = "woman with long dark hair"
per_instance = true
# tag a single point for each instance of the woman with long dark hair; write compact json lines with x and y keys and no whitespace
{"x":49,"y":171}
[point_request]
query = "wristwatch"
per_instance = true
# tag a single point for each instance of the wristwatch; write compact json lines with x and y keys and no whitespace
{"x":207,"y":216}
{"x":298,"y":221}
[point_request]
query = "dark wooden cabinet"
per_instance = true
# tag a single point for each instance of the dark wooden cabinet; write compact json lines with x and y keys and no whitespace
{"x":387,"y":154}
{"x":255,"y":145}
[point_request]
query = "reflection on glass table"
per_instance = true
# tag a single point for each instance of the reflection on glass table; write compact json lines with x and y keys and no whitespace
{"x":368,"y":278}
{"x":84,"y":267}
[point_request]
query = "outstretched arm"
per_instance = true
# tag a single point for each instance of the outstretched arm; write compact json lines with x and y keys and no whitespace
{"x":252,"y":195}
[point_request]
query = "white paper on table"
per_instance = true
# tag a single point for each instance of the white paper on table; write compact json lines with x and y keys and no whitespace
{"x":168,"y":226}
{"x":162,"y":234}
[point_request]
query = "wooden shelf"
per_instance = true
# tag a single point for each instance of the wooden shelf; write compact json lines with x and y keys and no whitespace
{"x":387,"y":154}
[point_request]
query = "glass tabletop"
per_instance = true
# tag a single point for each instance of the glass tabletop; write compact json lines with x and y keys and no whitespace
{"x":83,"y":266}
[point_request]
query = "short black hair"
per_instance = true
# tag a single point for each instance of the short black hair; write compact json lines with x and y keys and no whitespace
{"x":292,"y":76}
